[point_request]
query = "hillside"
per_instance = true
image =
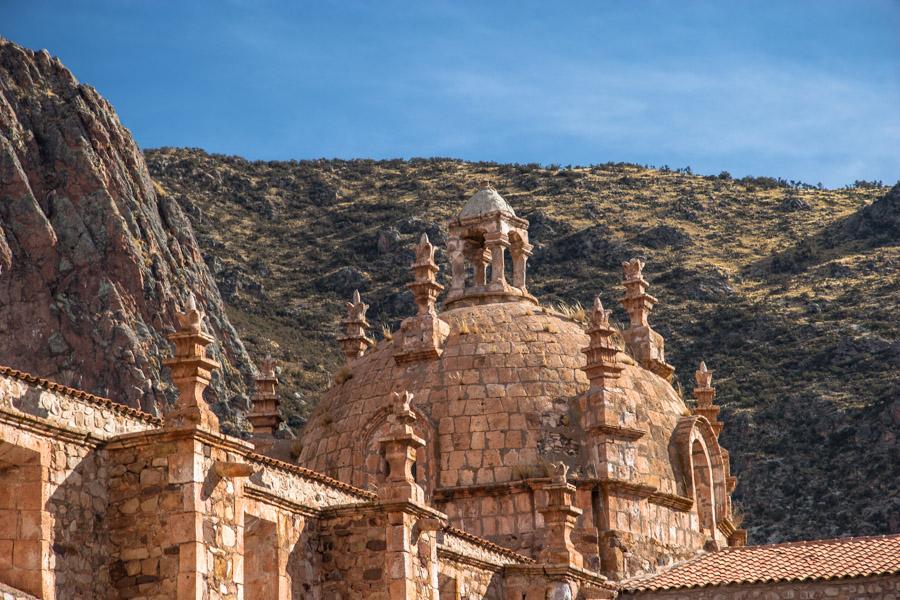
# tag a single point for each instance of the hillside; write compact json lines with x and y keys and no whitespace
{"x":93,"y":264}
{"x":788,"y":292}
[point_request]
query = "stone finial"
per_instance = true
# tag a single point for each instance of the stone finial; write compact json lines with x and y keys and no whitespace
{"x":703,"y":377}
{"x":637,"y":302}
{"x":704,"y":393}
{"x":560,"y":515}
{"x":424,"y":286}
{"x":602,"y":366}
{"x":422,"y":337}
{"x":647,"y":345}
{"x":399,"y":446}
{"x":264,"y":415}
{"x":559,"y":472}
{"x":401,"y":408}
{"x":267,"y":366}
{"x":191,"y":371}
{"x":355,"y":342}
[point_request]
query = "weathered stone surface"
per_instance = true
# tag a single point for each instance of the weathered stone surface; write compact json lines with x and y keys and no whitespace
{"x":95,"y":261}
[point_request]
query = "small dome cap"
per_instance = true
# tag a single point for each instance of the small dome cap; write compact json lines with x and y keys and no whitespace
{"x":484,"y":202}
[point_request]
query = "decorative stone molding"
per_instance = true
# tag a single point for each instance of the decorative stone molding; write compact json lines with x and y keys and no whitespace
{"x":191,"y":372}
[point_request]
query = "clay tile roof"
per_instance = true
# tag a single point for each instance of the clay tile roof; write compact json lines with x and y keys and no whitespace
{"x":79,"y":395}
{"x":485,"y":202}
{"x":795,"y":561}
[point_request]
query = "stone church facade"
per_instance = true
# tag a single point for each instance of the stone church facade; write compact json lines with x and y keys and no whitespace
{"x":493,"y":449}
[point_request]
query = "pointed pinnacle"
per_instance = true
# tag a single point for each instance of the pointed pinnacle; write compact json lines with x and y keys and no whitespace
{"x":356,"y":298}
{"x":423,"y":239}
{"x":703,"y":367}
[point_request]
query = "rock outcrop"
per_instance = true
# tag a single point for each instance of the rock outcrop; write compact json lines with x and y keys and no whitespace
{"x":95,"y":261}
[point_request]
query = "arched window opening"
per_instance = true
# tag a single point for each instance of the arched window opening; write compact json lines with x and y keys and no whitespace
{"x":703,"y":490}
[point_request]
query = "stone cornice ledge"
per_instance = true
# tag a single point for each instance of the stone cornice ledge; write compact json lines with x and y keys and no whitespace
{"x":379,"y":506}
{"x":618,"y":431}
{"x":491,"y":489}
{"x":266,"y":497}
{"x":155,"y":436}
{"x":726,"y":527}
{"x":309,"y":474}
{"x":459,"y":557}
{"x":561,"y":572}
{"x":673,"y":501}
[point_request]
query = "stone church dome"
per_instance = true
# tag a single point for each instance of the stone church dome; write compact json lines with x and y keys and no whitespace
{"x":507,"y":392}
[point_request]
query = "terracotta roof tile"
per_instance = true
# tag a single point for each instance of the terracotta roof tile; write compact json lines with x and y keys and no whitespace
{"x":794,"y":561}
{"x":79,"y":395}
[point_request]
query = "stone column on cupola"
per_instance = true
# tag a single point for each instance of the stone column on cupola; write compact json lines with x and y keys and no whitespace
{"x":496,"y":243}
{"x":422,"y":336}
{"x":520,"y":251}
{"x":647,"y":345}
{"x":191,"y":372}
{"x":355,"y":342}
{"x":480,"y":259}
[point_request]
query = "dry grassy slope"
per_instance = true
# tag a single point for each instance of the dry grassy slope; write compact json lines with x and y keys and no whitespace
{"x":795,"y":310}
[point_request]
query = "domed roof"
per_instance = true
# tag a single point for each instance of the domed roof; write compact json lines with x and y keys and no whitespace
{"x":495,"y":407}
{"x":485,"y":201}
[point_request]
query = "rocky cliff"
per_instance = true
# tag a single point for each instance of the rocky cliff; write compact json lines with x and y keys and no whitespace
{"x":788,"y":292}
{"x":94,"y":261}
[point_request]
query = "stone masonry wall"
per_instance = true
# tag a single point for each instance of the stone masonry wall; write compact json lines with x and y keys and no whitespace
{"x":353,"y":557}
{"x":146,"y":507}
{"x":175,"y":525}
{"x":875,"y":588}
{"x":53,"y":494}
{"x":76,"y":509}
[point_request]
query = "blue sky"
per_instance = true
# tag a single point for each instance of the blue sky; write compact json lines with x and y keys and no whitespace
{"x":806,"y":90}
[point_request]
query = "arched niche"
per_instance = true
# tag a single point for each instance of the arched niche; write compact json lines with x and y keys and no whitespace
{"x":702,"y":466}
{"x":369,"y":464}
